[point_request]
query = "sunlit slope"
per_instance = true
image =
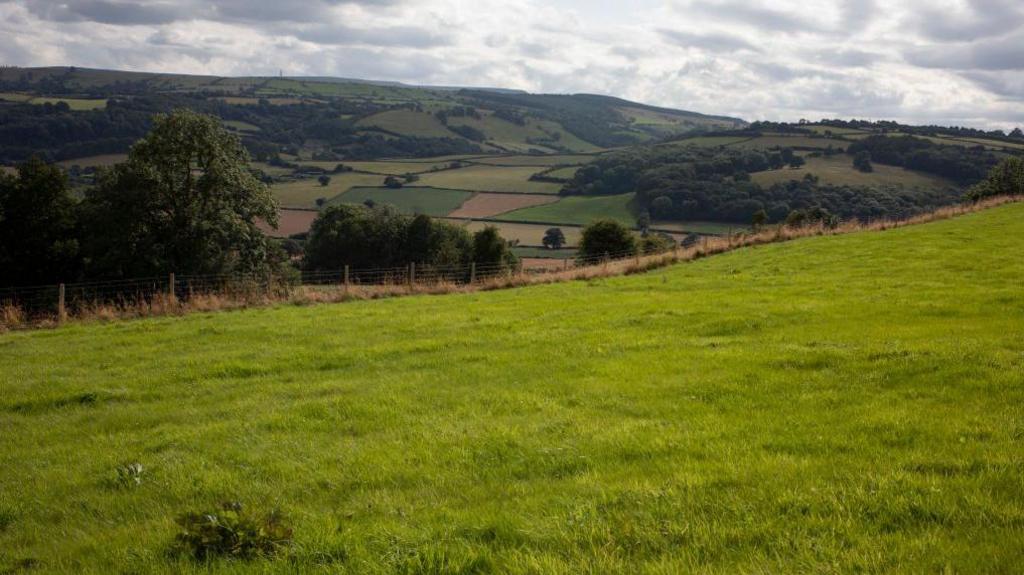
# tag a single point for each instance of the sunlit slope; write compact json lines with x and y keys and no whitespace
{"x":835,"y":404}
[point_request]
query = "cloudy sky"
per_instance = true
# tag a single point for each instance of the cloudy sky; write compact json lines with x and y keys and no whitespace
{"x":923,"y":61}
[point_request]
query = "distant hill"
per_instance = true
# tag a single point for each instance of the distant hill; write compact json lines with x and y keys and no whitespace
{"x":332,"y":118}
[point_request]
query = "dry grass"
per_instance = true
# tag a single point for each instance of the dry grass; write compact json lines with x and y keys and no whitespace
{"x":12,"y":317}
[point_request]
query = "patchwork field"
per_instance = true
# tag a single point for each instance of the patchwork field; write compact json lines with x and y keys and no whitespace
{"x":579,"y":210}
{"x":830,"y":405}
{"x":304,"y":193}
{"x":485,"y":205}
{"x":408,"y":122}
{"x":408,"y":200}
{"x":805,"y":142}
{"x":526,"y":234}
{"x":291,"y":222}
{"x":549,"y":160}
{"x":490,"y":179}
{"x":94,"y":161}
{"x":838,"y":170}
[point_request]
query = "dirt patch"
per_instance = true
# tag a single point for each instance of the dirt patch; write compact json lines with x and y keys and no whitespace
{"x":290,"y":222}
{"x":484,"y":205}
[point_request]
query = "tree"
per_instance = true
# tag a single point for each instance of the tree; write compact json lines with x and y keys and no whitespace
{"x":491,"y":251}
{"x":392,"y":182}
{"x":1017,"y":133}
{"x":553,"y":238}
{"x":862,"y":161}
{"x":357,"y":236}
{"x":796,"y":162}
{"x":787,"y":155}
{"x":324,"y":180}
{"x":644,"y":222}
{"x":1006,"y":179}
{"x":606,"y":238}
{"x":38,"y":242}
{"x":184,"y":201}
{"x":759,"y":219}
{"x":661,"y":207}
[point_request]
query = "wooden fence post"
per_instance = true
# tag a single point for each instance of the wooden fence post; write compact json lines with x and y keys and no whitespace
{"x":412,"y":274}
{"x":472,"y":273}
{"x":172,"y":297}
{"x":346,"y":279}
{"x":565,"y":264}
{"x":61,"y":309}
{"x":604,"y":265}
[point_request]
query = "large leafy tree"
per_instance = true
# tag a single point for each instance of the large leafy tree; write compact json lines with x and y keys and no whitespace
{"x":38,"y":243}
{"x":185,"y":201}
{"x":606,"y":237}
{"x":1006,"y":179}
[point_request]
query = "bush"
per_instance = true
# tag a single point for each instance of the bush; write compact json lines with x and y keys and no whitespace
{"x":231,"y":532}
{"x":606,"y":237}
{"x":1007,"y":178}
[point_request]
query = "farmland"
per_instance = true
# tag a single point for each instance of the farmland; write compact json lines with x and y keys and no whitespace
{"x":838,"y":170}
{"x":490,"y":179}
{"x":721,"y":416}
{"x":579,"y":210}
{"x":409,"y":200}
{"x":304,"y":193}
{"x":485,"y":205}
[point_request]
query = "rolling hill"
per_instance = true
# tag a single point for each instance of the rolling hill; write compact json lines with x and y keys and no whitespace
{"x":793,"y":407}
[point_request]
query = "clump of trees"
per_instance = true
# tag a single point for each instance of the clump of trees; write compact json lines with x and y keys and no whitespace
{"x":1006,"y":179}
{"x":606,"y":238}
{"x":862,"y":161}
{"x":962,"y":164}
{"x":375,"y":236}
{"x":183,"y":202}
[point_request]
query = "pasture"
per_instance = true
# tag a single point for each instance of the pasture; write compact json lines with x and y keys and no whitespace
{"x":485,"y":205}
{"x":102,"y":160}
{"x":829,"y":405}
{"x":409,"y":123}
{"x":491,"y":179}
{"x":547,"y":160}
{"x":839,"y":170}
{"x":304,"y":193}
{"x":526,"y":234}
{"x":579,"y":210}
{"x":79,"y":104}
{"x":408,"y":200}
{"x":291,"y":222}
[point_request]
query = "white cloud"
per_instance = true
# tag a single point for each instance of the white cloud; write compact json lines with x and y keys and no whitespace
{"x":945,"y":61}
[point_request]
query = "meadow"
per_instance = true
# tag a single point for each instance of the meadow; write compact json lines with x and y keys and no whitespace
{"x":580,"y":210}
{"x":408,"y":200}
{"x":830,"y":405}
{"x":491,"y":179}
{"x":839,"y":170}
{"x":305,"y":192}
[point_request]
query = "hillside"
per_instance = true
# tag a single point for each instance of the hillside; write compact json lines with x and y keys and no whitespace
{"x":834,"y":404}
{"x":340,"y":118}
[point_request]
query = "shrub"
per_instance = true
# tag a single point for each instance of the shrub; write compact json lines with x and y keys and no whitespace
{"x":606,"y":237}
{"x":232,"y":532}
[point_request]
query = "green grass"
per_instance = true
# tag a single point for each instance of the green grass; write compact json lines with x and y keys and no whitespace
{"x":241,"y":126}
{"x":838,"y":170}
{"x":73,"y":103}
{"x":578,"y":210}
{"x":409,"y":123}
{"x":409,"y":200}
{"x":304,"y":193}
{"x":830,"y":405}
{"x":491,"y":179}
{"x":549,"y":160}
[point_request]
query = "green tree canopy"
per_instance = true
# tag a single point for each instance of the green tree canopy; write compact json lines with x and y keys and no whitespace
{"x":183,"y":202}
{"x":554,"y":238}
{"x":606,"y":237}
{"x":38,"y":242}
{"x":490,"y":250}
{"x":1006,"y":179}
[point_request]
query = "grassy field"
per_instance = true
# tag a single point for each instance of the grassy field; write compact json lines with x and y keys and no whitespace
{"x":527,"y":234}
{"x":304,"y":193}
{"x":831,"y":405}
{"x":491,"y":179}
{"x":486,"y":205}
{"x":94,"y":161}
{"x":409,"y":200}
{"x":73,"y":103}
{"x":777,"y":141}
{"x":579,"y":210}
{"x":240,"y":126}
{"x":839,"y":170}
{"x":697,"y":227}
{"x":408,"y":122}
{"x":549,"y":160}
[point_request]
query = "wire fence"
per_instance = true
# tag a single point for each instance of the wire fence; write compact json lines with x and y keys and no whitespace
{"x":64,"y":299}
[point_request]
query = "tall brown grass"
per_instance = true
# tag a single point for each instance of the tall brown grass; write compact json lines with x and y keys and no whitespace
{"x":12,"y":317}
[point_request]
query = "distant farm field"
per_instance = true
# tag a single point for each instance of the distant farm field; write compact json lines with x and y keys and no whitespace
{"x":291,"y":222}
{"x":409,"y":199}
{"x":839,"y":170}
{"x":94,"y":161}
{"x":805,"y":142}
{"x":73,"y":103}
{"x":408,"y":122}
{"x":844,"y":404}
{"x":550,"y":160}
{"x":304,"y":193}
{"x":579,"y":210}
{"x":527,"y":234}
{"x":490,"y":179}
{"x":485,"y":205}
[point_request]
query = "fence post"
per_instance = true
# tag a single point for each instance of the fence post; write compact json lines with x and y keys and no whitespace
{"x":345,"y":280}
{"x":565,"y":264}
{"x":605,"y":262}
{"x":472,"y":273}
{"x":675,"y":250}
{"x":636,"y":257}
{"x":172,"y":297}
{"x":61,"y":309}
{"x":412,"y":274}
